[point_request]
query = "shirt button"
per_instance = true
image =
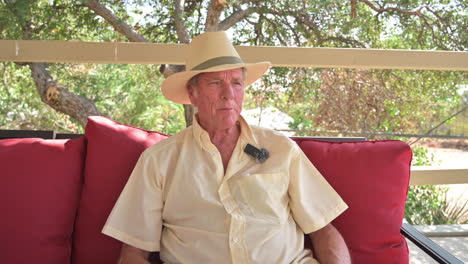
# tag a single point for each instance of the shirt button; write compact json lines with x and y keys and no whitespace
{"x":234,"y":240}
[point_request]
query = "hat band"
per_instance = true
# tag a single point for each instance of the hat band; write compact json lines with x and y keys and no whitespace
{"x":216,"y":62}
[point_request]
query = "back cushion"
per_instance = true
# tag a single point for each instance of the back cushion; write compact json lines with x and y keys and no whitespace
{"x":372,"y":177}
{"x":112,"y":151}
{"x":40,"y":183}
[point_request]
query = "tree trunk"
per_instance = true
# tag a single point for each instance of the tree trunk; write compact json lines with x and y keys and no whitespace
{"x":167,"y":70}
{"x":60,"y":98}
{"x":189,"y":111}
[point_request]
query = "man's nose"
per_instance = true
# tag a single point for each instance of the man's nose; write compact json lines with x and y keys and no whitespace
{"x":227,"y":91}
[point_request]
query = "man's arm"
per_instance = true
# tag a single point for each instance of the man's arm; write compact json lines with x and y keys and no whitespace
{"x":133,"y":255}
{"x":329,"y":246}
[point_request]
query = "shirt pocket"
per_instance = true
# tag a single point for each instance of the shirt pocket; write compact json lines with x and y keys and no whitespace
{"x":266,"y":196}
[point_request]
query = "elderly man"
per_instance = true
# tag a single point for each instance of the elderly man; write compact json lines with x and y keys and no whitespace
{"x":222,"y":191}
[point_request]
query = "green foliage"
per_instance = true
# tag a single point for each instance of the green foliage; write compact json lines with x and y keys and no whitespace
{"x":421,"y":156}
{"x":392,"y":101}
{"x":404,"y":101}
{"x":22,"y":108}
{"x":359,"y":100}
{"x":424,"y":205}
{"x":454,"y":214}
{"x":52,"y":20}
{"x":126,"y":93}
{"x":138,"y":100}
{"x":423,"y":202}
{"x":428,"y":204}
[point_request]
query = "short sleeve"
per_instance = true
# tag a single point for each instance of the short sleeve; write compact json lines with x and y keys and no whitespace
{"x":136,"y":217}
{"x":313,"y":202}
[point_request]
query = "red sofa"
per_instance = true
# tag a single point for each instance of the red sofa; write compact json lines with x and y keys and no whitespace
{"x":55,"y":195}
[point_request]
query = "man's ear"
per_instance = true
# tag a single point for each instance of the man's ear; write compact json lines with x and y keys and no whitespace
{"x":192,"y":94}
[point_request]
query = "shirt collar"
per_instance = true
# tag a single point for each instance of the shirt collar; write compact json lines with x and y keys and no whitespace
{"x":201,"y":136}
{"x":246,"y":137}
{"x":246,"y":131}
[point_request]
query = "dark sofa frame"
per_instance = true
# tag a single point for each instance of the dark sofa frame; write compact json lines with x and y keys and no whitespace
{"x":427,"y":245}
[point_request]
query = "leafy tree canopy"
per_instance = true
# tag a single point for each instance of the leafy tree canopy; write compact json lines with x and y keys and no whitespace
{"x":319,"y":99}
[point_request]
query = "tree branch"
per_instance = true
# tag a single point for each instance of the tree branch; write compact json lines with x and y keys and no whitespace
{"x":278,"y":32}
{"x":344,"y":40}
{"x":182,"y":32}
{"x":353,"y":9}
{"x":60,"y":98}
{"x":235,"y":17}
{"x":302,"y":17}
{"x":118,"y":24}
{"x":127,"y":31}
{"x":430,"y":23}
{"x":305,"y":19}
{"x":293,"y":31}
{"x":56,"y":9}
{"x":381,"y":10}
{"x":167,"y":70}
{"x":213,"y":15}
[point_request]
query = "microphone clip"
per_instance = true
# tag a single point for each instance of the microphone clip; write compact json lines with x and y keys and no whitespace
{"x":259,"y":155}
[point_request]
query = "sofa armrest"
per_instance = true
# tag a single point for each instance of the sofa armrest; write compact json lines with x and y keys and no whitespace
{"x":427,"y":245}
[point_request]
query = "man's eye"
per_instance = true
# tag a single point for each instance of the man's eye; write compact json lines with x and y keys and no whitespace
{"x":238,"y":83}
{"x":214,"y":83}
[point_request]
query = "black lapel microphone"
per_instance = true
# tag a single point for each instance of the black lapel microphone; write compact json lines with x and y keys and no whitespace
{"x":260,"y":155}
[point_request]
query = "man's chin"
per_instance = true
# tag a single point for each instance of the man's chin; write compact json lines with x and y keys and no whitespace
{"x":228,"y":122}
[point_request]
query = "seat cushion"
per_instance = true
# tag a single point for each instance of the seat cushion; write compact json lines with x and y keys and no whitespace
{"x":40,"y":184}
{"x":112,"y":151}
{"x":372,"y":177}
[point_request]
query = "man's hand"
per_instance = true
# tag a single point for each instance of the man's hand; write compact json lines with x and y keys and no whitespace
{"x":133,"y":255}
{"x":329,"y":246}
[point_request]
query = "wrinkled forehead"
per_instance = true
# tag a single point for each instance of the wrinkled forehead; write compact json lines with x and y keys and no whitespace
{"x":227,"y":74}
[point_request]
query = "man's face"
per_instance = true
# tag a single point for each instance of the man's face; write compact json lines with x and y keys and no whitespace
{"x":218,"y":97}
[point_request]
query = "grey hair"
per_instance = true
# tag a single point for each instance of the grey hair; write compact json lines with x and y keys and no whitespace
{"x":193,"y":81}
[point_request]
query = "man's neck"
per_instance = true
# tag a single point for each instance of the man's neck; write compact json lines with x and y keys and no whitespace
{"x":220,"y":135}
{"x":223,"y":136}
{"x":224,"y":140}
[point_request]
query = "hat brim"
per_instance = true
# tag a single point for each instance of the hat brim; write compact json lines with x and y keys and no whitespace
{"x":174,"y":86}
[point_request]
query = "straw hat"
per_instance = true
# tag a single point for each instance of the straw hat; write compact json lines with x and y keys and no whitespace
{"x":209,"y":52}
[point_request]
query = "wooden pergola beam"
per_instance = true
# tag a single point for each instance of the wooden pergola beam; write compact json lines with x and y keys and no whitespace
{"x":146,"y":53}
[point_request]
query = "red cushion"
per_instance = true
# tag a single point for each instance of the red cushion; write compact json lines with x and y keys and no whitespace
{"x":372,"y":177}
{"x":40,"y":183}
{"x":112,"y":152}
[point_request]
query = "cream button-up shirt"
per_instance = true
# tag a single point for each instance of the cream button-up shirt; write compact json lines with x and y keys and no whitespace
{"x":180,"y":202}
